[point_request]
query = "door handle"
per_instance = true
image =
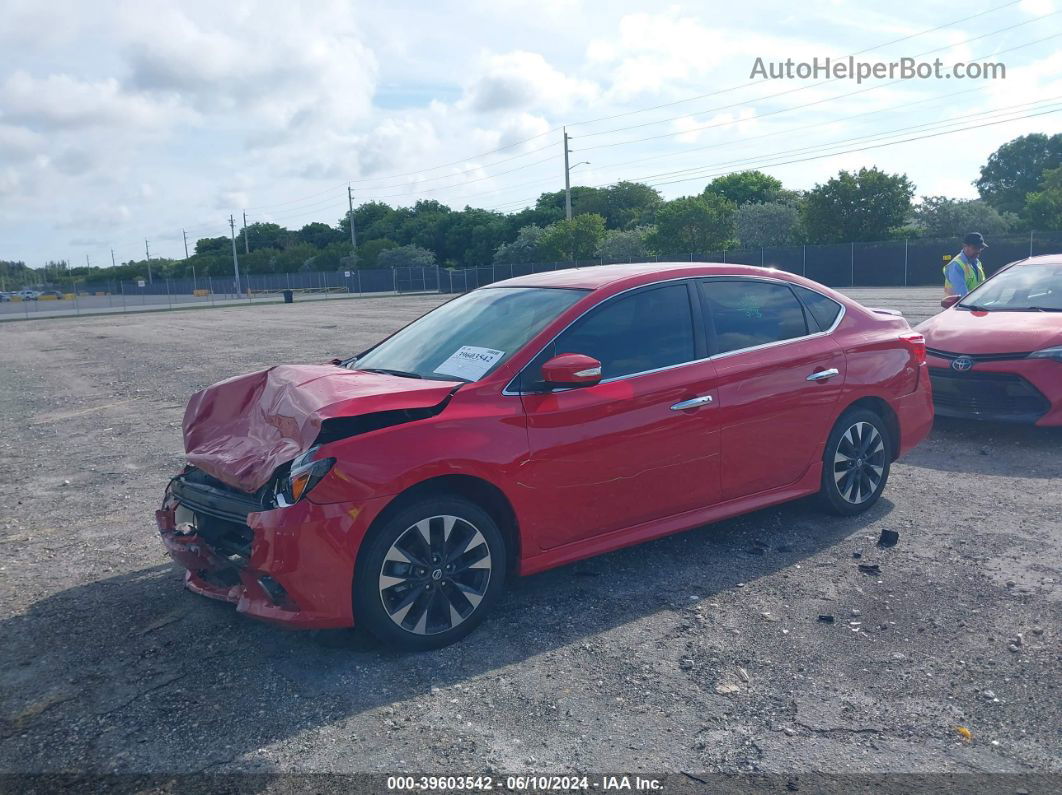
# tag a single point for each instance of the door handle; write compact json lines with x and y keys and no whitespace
{"x":822,"y":375}
{"x":693,"y":403}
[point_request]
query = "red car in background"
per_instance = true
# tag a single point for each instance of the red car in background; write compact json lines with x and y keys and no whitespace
{"x":529,"y":424}
{"x":996,"y":353}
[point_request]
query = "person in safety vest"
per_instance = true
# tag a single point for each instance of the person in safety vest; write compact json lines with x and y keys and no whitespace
{"x":964,"y":272}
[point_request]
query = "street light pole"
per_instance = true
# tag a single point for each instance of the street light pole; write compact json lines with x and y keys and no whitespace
{"x":567,"y":181}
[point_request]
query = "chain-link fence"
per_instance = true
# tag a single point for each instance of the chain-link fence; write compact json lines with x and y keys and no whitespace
{"x":890,"y":263}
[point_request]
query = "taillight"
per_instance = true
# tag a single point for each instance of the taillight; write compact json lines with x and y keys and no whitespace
{"x":916,"y":343}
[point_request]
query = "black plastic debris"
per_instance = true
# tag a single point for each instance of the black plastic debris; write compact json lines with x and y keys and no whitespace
{"x":888,"y":538}
{"x":870,"y":568}
{"x":826,"y":619}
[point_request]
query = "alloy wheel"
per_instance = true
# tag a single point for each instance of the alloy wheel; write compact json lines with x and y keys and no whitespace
{"x":858,"y":462}
{"x":435,"y":575}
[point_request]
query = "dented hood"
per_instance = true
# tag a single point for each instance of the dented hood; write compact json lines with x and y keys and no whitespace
{"x":240,"y":430}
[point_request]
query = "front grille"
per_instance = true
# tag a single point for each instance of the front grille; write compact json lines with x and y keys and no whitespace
{"x":999,"y":396}
{"x":977,"y":357}
{"x":220,"y":513}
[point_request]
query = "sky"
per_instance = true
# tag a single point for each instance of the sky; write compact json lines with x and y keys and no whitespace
{"x":126,"y":121}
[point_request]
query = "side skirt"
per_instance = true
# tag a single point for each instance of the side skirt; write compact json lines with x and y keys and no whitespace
{"x":647,"y":531}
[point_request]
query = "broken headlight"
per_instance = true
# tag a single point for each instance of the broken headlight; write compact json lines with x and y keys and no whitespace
{"x":305,"y":473}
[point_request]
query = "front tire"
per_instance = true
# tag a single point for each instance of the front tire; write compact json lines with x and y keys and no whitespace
{"x":429,"y":574}
{"x":855,"y":464}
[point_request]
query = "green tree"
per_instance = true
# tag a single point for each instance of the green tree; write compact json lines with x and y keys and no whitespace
{"x":625,"y":245}
{"x":369,"y":252}
{"x":526,"y":248}
{"x":372,"y":220}
{"x":863,"y":205}
{"x":584,"y":200}
{"x":472,"y":236}
{"x":939,"y":216}
{"x":1043,"y":208}
{"x":212,"y":245}
{"x":767,"y":224}
{"x":745,"y":187}
{"x":405,"y":257}
{"x":694,"y":224}
{"x":630,"y":204}
{"x":1017,"y":168}
{"x":573,"y":240}
{"x":318,"y":235}
{"x":266,"y":235}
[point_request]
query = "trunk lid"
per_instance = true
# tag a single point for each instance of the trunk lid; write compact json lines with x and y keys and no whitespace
{"x":240,"y":430}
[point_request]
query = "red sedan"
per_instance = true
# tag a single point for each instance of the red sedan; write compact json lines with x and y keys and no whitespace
{"x":529,"y":424}
{"x":996,"y":354}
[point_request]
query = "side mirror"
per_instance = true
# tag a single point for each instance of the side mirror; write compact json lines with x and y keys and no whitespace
{"x":950,"y":300}
{"x":571,"y":369}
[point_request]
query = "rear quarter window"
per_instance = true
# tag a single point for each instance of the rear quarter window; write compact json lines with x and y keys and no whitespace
{"x":823,"y":310}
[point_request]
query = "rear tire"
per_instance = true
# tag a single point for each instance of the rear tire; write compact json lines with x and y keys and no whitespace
{"x":856,"y":463}
{"x":429,"y":574}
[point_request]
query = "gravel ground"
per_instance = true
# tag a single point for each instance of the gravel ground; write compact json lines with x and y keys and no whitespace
{"x":699,"y":652}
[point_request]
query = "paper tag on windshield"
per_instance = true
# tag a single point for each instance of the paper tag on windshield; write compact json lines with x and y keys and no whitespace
{"x":469,"y":362}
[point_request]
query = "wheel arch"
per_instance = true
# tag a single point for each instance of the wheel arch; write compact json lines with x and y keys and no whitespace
{"x":881,"y":407}
{"x":475,"y":489}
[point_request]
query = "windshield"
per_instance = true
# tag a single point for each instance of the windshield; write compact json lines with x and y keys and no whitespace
{"x":1023,"y":288}
{"x":465,"y":339}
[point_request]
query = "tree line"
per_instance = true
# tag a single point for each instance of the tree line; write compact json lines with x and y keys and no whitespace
{"x":1020,"y":188}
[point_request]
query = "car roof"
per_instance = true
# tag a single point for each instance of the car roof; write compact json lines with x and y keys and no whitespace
{"x":596,"y":276}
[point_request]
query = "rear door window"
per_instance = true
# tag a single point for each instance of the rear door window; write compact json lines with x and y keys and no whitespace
{"x":746,"y":313}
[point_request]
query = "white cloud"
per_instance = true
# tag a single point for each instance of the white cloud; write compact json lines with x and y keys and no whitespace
{"x":277,"y":61}
{"x":523,"y":80}
{"x":62,"y":101}
{"x":690,"y":128}
{"x":1037,"y":7}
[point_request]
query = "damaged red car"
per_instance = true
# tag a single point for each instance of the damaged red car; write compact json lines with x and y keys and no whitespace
{"x":529,"y":424}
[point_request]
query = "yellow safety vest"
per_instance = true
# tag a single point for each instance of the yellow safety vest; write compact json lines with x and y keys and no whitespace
{"x":973,"y":275}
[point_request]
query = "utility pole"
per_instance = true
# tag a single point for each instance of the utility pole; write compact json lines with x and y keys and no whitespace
{"x":235,"y":262}
{"x":112,"y":259}
{"x":246,"y":244}
{"x":567,"y":180}
{"x":185,"y":243}
{"x":147,"y":253}
{"x":353,"y":237}
{"x":88,"y":264}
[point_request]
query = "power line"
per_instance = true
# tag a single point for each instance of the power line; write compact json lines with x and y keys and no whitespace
{"x":877,"y":146}
{"x":869,"y":137}
{"x":765,"y":164}
{"x":789,"y":91}
{"x":756,"y":82}
{"x":637,"y":111}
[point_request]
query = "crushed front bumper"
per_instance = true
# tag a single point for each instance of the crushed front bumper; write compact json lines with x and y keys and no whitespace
{"x":292,"y":566}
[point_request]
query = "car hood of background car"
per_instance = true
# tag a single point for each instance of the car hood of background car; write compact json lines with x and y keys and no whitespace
{"x":240,"y":430}
{"x":963,"y":331}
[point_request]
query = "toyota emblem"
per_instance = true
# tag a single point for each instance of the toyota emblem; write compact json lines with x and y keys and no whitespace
{"x":962,"y":364}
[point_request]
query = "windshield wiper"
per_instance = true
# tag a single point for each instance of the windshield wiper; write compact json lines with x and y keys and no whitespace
{"x":1045,"y":308}
{"x":385,"y":371}
{"x":975,"y":307}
